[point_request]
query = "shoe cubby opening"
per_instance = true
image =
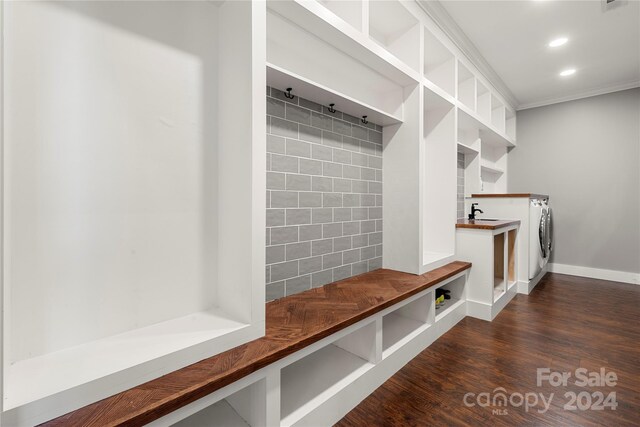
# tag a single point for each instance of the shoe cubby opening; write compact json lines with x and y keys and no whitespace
{"x":348,"y":11}
{"x":439,"y":63}
{"x":455,"y":290}
{"x":396,"y":29}
{"x":332,"y":368}
{"x":466,"y":87}
{"x":401,"y":325}
{"x":244,"y":408}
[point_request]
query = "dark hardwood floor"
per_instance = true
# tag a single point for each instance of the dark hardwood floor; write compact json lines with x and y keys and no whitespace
{"x":566,"y":323}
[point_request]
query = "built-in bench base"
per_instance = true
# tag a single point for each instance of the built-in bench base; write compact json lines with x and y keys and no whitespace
{"x":324,"y":351}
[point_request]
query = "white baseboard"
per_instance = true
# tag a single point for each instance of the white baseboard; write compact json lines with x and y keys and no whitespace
{"x":596,"y":273}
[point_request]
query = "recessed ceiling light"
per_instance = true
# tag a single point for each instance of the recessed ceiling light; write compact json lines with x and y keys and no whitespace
{"x":568,"y":72}
{"x":558,"y":42}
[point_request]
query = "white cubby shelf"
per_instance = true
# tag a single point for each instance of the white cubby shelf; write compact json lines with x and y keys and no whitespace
{"x":125,"y":258}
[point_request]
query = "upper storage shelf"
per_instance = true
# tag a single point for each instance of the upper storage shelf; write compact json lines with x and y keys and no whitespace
{"x":335,"y":26}
{"x":397,"y":30}
{"x":280,"y":78}
{"x":439,"y":64}
{"x":469,"y":121}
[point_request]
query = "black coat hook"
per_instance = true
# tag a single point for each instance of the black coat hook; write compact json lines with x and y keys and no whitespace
{"x":287,"y":94}
{"x":364,"y":120}
{"x":331,"y":109}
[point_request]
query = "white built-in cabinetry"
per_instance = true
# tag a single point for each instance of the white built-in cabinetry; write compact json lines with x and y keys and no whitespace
{"x":494,"y":276}
{"x":134,"y":194}
{"x":134,"y":147}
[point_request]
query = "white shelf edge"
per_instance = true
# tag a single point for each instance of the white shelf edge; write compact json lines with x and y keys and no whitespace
{"x":428,"y":84}
{"x":30,"y":380}
{"x":310,"y":88}
{"x":485,"y":167}
{"x":464,"y":148}
{"x":440,"y":314}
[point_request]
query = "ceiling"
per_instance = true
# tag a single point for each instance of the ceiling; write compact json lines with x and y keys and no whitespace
{"x":512,"y":36}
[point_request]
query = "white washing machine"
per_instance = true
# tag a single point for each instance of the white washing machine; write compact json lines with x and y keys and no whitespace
{"x":540,"y":235}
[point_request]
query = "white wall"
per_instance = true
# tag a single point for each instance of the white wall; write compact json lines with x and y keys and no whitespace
{"x":110,"y":168}
{"x":586,"y":155}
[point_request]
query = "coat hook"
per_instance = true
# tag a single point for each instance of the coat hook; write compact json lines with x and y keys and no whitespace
{"x":287,"y":94}
{"x":331,"y":109}
{"x":364,"y":120}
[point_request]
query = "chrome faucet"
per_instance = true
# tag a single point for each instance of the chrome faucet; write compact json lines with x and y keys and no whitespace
{"x":472,"y":215}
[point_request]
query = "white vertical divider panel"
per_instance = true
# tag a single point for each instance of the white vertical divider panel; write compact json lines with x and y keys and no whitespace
{"x":1,"y":212}
{"x":401,"y":186}
{"x":251,"y":403}
{"x":362,"y":343}
{"x":273,"y":398}
{"x":241,"y":137}
{"x":378,"y":339}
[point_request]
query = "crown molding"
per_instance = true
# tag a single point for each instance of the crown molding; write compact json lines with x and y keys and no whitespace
{"x":448,"y":25}
{"x":585,"y":94}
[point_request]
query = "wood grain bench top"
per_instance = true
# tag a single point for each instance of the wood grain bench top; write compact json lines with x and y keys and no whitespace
{"x":507,"y":195}
{"x":486,"y":225}
{"x":292,"y":323}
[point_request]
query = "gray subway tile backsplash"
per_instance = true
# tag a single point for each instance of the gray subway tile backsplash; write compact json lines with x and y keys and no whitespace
{"x":324,"y":195}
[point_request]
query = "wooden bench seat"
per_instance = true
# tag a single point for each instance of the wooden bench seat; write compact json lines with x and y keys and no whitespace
{"x":292,"y":323}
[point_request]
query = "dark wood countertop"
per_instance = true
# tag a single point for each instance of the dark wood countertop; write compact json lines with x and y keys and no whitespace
{"x":485,"y":225}
{"x":292,"y":323}
{"x":505,"y":195}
